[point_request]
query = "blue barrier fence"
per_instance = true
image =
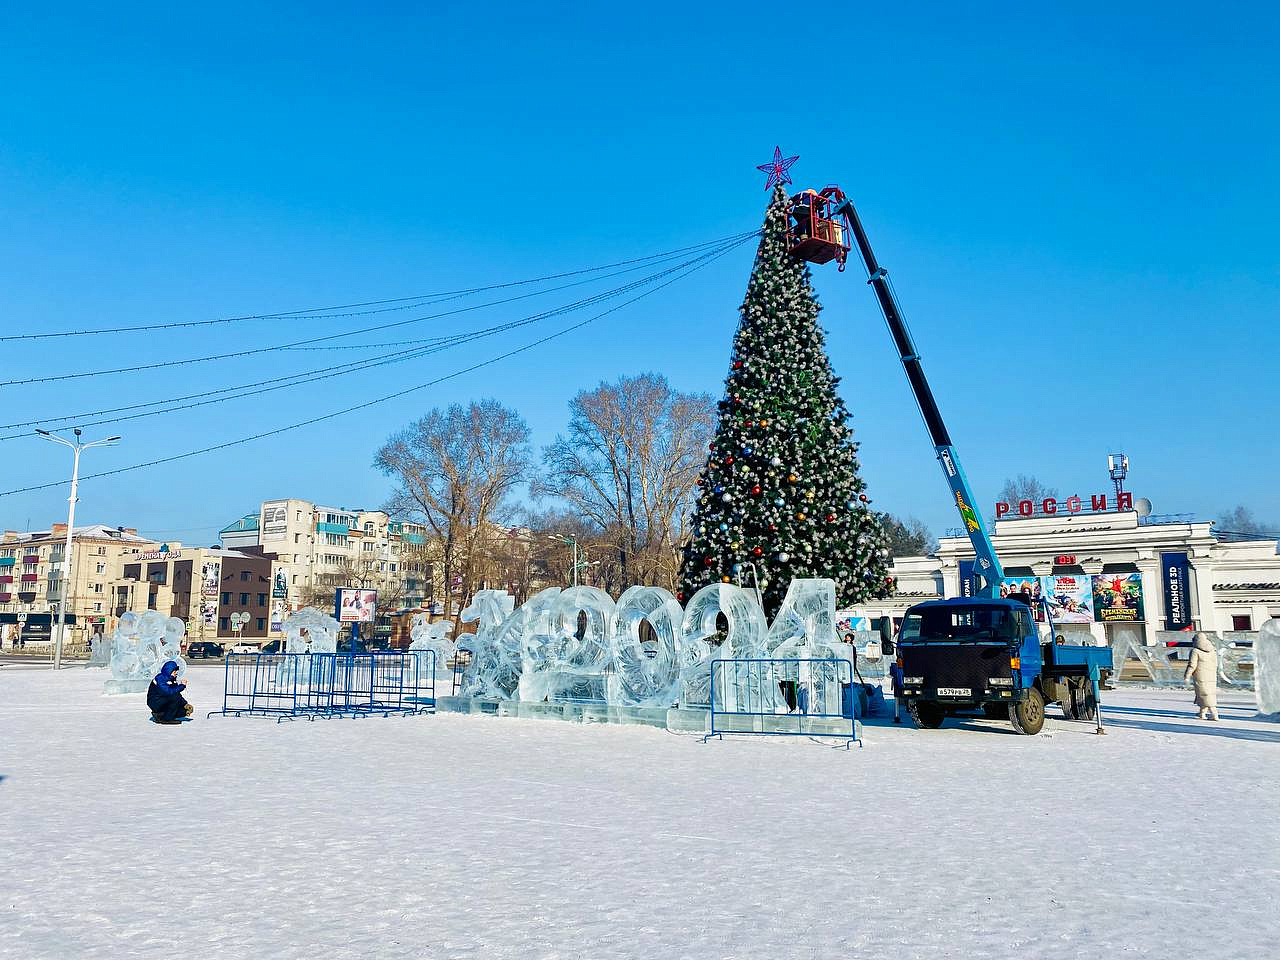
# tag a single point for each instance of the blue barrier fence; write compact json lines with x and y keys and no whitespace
{"x":784,"y":698}
{"x":311,"y":685}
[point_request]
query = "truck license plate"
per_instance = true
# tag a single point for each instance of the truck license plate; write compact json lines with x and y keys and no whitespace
{"x":954,"y":691}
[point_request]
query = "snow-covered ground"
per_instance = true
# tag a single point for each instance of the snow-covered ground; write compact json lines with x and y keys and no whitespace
{"x":458,"y":837}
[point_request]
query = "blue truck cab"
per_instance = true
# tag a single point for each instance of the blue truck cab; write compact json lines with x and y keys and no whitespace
{"x":988,"y":656}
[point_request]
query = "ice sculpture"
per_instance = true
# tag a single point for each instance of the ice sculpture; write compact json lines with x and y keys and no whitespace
{"x":140,"y":646}
{"x":99,"y":651}
{"x":427,"y":636}
{"x":744,"y":639}
{"x":488,"y":609}
{"x":310,"y":630}
{"x":646,"y":673}
{"x":805,"y":629}
{"x":530,"y":644}
{"x":1266,"y":667}
{"x":580,"y":654}
{"x":806,"y":623}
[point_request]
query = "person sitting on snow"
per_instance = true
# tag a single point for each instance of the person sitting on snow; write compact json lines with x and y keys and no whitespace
{"x":164,"y":696}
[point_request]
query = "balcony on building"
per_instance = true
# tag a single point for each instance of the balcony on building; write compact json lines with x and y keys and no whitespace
{"x":6,"y":597}
{"x":6,"y":578}
{"x":30,"y":577}
{"x":31,"y":559}
{"x":8,"y":561}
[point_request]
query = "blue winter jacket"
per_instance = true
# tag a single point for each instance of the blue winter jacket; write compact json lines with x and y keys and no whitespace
{"x":166,"y":680}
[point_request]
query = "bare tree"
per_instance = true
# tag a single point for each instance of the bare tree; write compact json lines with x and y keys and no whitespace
{"x":456,"y":470}
{"x":1242,"y":524}
{"x":629,"y":465}
{"x":1025,"y":487}
{"x":908,"y":536}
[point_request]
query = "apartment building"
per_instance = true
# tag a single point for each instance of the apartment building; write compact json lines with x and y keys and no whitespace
{"x":320,"y":548}
{"x":31,"y":576}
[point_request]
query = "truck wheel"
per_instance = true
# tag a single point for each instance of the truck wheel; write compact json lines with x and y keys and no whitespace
{"x":926,"y":714}
{"x":1071,"y":702}
{"x":1027,"y":717}
{"x":1086,"y":703}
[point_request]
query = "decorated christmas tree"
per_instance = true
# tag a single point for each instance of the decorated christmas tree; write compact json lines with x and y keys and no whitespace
{"x":781,"y":488}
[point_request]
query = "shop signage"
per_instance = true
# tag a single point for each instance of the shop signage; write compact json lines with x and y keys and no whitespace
{"x":968,"y":579}
{"x":1051,"y":506}
{"x":164,"y":553}
{"x":1175,"y":569}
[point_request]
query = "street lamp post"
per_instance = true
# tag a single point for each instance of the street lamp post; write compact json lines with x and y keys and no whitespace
{"x":573,"y":541}
{"x":76,"y":447}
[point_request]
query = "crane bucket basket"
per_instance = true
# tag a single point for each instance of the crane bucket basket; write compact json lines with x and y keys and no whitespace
{"x":815,"y":232}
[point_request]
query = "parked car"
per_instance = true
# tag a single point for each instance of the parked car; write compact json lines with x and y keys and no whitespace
{"x":244,"y":646}
{"x":204,"y":649}
{"x":344,"y":646}
{"x":273,"y":646}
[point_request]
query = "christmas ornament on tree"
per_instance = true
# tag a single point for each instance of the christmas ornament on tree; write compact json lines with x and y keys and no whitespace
{"x":785,"y":423}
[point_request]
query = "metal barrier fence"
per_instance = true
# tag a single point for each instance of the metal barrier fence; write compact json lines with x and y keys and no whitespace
{"x":288,"y":685}
{"x":784,"y":698}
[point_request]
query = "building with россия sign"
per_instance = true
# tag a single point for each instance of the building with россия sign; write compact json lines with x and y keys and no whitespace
{"x":1109,"y":575}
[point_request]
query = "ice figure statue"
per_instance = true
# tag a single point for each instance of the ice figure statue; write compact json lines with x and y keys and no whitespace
{"x":745,"y":638}
{"x":646,"y":670}
{"x":1266,"y":668}
{"x":427,"y":636}
{"x":99,"y":651}
{"x":487,"y":610}
{"x":140,"y":646}
{"x":805,"y":629}
{"x":310,"y":630}
{"x":580,"y":654}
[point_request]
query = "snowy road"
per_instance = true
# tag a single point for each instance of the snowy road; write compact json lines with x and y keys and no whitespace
{"x":473,"y":837}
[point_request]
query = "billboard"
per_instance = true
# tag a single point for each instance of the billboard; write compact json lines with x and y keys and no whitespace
{"x":210,"y":585}
{"x":277,"y":616}
{"x":1029,"y":585}
{"x":280,"y":583}
{"x":356,"y":605}
{"x":1176,"y":570}
{"x":1118,"y":597}
{"x":275,"y":521}
{"x":847,"y":620}
{"x":1070,"y":598}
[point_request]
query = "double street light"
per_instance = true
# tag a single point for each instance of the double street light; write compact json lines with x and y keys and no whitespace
{"x":76,"y":446}
{"x":571,"y":540}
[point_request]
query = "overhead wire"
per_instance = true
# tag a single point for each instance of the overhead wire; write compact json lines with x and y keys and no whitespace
{"x":391,"y":396}
{"x":434,"y":345}
{"x":403,"y":303}
{"x":328,"y":337}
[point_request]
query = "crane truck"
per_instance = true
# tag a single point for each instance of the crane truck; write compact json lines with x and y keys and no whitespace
{"x":984,"y":653}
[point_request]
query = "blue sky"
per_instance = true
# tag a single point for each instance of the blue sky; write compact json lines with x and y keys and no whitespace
{"x":1077,"y":206}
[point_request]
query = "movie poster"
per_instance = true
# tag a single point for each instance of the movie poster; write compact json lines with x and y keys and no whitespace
{"x":1118,"y":597}
{"x":847,"y":620}
{"x":1028,"y":585}
{"x":1070,"y":598}
{"x":210,"y":585}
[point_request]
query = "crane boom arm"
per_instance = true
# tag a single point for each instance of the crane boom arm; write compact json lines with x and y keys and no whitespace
{"x":988,"y":565}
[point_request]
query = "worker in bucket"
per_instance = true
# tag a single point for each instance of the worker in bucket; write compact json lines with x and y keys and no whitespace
{"x":164,"y":696}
